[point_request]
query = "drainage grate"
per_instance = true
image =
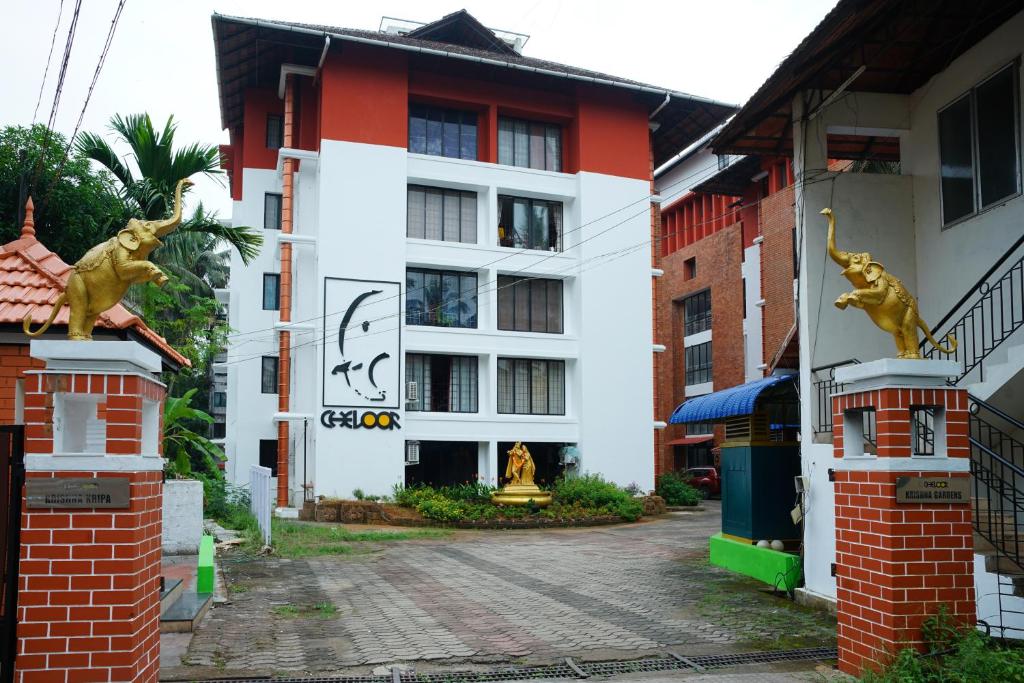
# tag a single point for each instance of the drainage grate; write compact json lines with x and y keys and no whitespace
{"x":570,"y":669}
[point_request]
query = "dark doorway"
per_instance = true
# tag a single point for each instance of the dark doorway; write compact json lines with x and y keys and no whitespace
{"x":443,"y":463}
{"x":12,"y":477}
{"x":545,"y":457}
{"x":268,"y":455}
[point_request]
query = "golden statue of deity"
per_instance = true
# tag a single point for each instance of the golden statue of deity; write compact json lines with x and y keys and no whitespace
{"x":519,"y":473}
{"x":882,"y":296}
{"x":101,"y":277}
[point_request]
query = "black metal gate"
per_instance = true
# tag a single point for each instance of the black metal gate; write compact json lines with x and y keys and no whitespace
{"x":12,"y":477}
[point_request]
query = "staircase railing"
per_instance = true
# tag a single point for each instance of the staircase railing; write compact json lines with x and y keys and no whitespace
{"x":995,"y":312}
{"x":824,"y":386}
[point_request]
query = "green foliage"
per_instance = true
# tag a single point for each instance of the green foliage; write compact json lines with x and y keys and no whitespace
{"x":189,"y":450}
{"x":227,"y":504}
{"x":955,"y":655}
{"x":589,"y":490}
{"x":675,"y":490}
{"x":358,"y":494}
{"x":72,"y":213}
{"x":293,"y":539}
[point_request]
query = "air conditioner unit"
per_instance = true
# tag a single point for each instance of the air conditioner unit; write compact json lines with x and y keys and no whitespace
{"x":412,"y":451}
{"x":412,"y":392}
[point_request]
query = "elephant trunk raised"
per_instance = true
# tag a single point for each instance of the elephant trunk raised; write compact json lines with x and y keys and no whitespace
{"x":840,"y":257}
{"x":101,"y":277}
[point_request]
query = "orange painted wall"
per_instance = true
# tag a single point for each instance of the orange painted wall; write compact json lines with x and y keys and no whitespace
{"x":308,"y":105}
{"x":258,"y":104}
{"x":612,"y":131}
{"x":365,"y":96}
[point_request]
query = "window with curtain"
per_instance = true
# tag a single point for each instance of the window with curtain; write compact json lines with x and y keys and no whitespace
{"x":442,"y":132}
{"x":442,"y":298}
{"x":529,"y":223}
{"x":271,"y":211}
{"x":437,"y":214}
{"x":271,"y":292}
{"x":268,"y":383}
{"x":531,"y":387}
{"x":220,"y":399}
{"x":275,"y":131}
{"x":698,"y":363}
{"x":444,"y":384}
{"x":530,"y":144}
{"x":529,"y":304}
{"x":979,"y":146}
{"x":697,"y":312}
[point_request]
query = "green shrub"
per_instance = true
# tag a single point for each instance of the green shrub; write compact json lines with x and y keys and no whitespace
{"x":442,"y":509}
{"x":471,"y":492}
{"x":358,"y":494}
{"x":956,"y":655}
{"x":589,"y":490}
{"x":675,"y":490}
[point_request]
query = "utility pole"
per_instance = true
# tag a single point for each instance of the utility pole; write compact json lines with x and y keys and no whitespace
{"x":22,"y":189}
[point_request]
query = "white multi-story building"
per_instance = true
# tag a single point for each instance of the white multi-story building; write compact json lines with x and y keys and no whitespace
{"x":458,"y":255}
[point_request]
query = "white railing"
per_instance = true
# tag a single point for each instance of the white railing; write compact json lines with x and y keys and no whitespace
{"x":259,"y":498}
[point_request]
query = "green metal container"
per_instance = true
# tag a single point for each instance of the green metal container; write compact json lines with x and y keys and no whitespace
{"x":758,"y":491}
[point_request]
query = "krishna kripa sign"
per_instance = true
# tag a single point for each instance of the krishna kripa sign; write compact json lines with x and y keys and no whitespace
{"x":362,"y":342}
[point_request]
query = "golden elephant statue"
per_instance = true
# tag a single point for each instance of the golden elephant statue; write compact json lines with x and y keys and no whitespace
{"x":101,"y":277}
{"x":882,"y":296}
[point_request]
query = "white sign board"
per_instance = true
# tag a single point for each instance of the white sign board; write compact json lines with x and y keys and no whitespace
{"x":362,"y":343}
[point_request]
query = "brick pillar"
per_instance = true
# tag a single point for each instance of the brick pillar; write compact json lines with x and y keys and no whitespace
{"x":88,"y":601}
{"x":898,"y":562}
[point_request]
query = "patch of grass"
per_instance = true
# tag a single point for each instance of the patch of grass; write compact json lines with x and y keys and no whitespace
{"x":326,"y":610}
{"x":286,"y":611}
{"x":238,"y":588}
{"x":321,"y":610}
{"x":303,"y":539}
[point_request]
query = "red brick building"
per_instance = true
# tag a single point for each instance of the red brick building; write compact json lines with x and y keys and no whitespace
{"x":725,"y":310}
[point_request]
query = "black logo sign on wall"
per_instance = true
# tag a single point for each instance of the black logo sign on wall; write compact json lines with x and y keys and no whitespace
{"x":362,"y":348}
{"x":351,"y":419}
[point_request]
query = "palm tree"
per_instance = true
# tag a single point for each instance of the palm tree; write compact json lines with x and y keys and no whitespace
{"x":149,"y":195}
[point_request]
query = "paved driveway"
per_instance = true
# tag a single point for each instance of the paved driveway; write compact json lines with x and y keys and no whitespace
{"x":488,"y":597}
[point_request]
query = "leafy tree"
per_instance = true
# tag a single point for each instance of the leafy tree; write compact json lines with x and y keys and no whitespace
{"x":185,"y":448}
{"x":72,"y":213}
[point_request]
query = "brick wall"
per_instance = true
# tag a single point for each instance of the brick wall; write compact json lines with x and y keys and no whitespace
{"x":14,"y":361}
{"x":777,"y":220}
{"x":89,"y":588}
{"x":718,"y":259}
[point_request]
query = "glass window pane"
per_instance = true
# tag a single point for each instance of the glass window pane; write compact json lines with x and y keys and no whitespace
{"x":522,"y":305}
{"x":415,"y":213}
{"x":521,"y":395}
{"x":553,"y":145}
{"x":539,"y":388}
{"x":956,"y":160}
{"x":452,"y":214}
{"x":268,"y":379}
{"x":540,"y":226}
{"x":417,"y":130}
{"x":556,"y":384}
{"x":521,"y":153}
{"x":468,"y":222}
{"x":537,"y":145}
{"x":414,"y":297}
{"x":505,"y":141}
{"x":433,"y":229}
{"x":468,"y":136}
{"x":555,"y":228}
{"x":432,"y":297}
{"x":434,"y":132}
{"x":521,"y":224}
{"x":997,"y":137}
{"x":506,"y":221}
{"x":506,"y":302}
{"x":449,"y":300}
{"x":538,"y":306}
{"x":271,"y":291}
{"x":452,"y":120}
{"x":272,"y":211}
{"x":554,"y":306}
{"x":467,"y":300}
{"x":505,"y":385}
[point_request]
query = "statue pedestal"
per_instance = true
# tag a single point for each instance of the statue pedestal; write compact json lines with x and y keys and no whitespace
{"x":521,"y":494}
{"x":904,"y":546}
{"x":89,"y":584}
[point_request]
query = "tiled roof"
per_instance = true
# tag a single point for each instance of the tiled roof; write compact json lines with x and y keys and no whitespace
{"x":32,"y":277}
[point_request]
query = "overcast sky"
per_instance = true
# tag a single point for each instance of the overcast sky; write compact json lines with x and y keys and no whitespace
{"x":162,"y":61}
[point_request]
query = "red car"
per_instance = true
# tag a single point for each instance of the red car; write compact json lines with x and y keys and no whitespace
{"x":705,"y":480}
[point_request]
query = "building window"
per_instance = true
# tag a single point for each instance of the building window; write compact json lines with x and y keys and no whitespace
{"x":698,"y":363}
{"x":444,"y":384}
{"x":436,"y":214}
{"x":699,"y":428}
{"x":530,"y":144}
{"x":690,"y":268}
{"x":219,"y":430}
{"x":441,"y":298}
{"x":979,"y":151}
{"x":529,"y":223}
{"x":271,"y":292}
{"x":697,"y":313}
{"x":268,"y":455}
{"x":268,"y":380}
{"x":529,"y":304}
{"x":271,"y":211}
{"x":723,"y":162}
{"x":531,"y":387}
{"x":275,"y":131}
{"x":220,"y":399}
{"x":442,"y":132}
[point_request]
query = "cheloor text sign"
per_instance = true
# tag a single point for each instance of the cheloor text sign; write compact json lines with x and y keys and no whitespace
{"x":933,"y":490}
{"x":106,"y":492}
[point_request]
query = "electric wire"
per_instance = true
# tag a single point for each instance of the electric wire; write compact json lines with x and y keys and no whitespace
{"x":49,"y":57}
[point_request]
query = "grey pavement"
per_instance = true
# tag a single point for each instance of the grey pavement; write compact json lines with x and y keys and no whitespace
{"x":479,"y":599}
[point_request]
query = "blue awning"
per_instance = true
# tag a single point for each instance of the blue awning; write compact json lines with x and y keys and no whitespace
{"x":738,"y":400}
